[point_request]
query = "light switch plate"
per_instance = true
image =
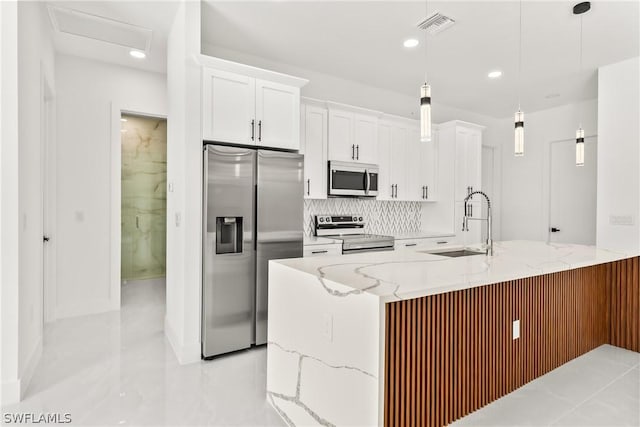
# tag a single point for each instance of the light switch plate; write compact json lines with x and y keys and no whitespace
{"x":516,"y":329}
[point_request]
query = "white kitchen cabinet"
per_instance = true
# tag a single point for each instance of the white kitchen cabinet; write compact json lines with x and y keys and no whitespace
{"x":240,"y":109}
{"x":277,"y":115}
{"x":228,"y":110}
{"x":468,"y":160}
{"x":313,"y":140}
{"x":322,"y":250}
{"x":424,"y":243}
{"x":353,"y":136}
{"x":422,"y":165}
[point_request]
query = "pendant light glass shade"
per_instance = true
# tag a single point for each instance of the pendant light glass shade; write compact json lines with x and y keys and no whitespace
{"x":425,"y":113}
{"x":580,"y":147}
{"x":518,"y":148}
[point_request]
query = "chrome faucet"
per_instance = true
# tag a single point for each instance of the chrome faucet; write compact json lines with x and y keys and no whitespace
{"x":465,"y":220}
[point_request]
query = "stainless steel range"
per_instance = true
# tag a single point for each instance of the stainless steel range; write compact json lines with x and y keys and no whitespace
{"x":350,"y":229}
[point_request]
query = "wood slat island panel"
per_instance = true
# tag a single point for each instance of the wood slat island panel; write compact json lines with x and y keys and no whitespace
{"x":447,"y":355}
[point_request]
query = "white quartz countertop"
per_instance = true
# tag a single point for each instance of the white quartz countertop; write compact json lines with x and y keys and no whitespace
{"x":422,"y":235}
{"x":398,"y":275}
{"x":313,"y":240}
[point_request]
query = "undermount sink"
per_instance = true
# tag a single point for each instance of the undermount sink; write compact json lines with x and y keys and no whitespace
{"x":458,"y":253}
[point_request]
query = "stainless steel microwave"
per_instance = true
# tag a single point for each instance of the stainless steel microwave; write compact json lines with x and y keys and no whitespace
{"x":352,"y":179}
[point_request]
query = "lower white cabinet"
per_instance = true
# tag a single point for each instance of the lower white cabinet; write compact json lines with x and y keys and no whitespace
{"x":423,"y":243}
{"x":322,"y":250}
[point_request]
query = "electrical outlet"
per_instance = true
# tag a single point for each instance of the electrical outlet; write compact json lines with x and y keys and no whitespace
{"x":516,"y":329}
{"x":178,"y":219}
{"x":170,"y":187}
{"x":327,"y":327}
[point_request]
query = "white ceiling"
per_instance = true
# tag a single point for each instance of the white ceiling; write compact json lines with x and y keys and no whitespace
{"x":362,"y":41}
{"x":155,"y":15}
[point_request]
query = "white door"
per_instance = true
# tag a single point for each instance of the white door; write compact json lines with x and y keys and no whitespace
{"x":366,"y":138}
{"x":228,"y":107}
{"x":341,"y":144}
{"x":572,"y":195}
{"x":277,"y":115}
{"x":315,"y":152}
{"x":488,"y":186}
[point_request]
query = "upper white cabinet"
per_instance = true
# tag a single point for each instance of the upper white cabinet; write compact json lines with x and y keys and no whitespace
{"x":353,"y":135}
{"x":228,"y":110}
{"x":313,"y":140}
{"x":467,"y":157}
{"x":241,"y":105}
{"x":408,"y":167}
{"x":392,"y":143}
{"x":277,"y":115}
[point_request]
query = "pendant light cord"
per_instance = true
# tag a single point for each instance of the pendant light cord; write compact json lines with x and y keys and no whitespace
{"x":520,"y":57}
{"x":580,"y":109}
{"x":426,"y":33}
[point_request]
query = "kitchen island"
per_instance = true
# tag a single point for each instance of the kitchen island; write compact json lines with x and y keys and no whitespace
{"x":416,"y":338}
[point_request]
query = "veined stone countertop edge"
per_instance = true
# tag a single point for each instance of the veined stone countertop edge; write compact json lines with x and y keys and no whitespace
{"x":400,"y":275}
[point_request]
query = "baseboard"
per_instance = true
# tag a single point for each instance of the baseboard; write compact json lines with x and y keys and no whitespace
{"x":30,"y":368}
{"x":89,"y":307}
{"x":10,"y":392}
{"x":184,"y":353}
{"x":14,"y":391}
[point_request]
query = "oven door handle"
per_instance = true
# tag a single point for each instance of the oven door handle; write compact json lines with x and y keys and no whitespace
{"x":367,"y":181}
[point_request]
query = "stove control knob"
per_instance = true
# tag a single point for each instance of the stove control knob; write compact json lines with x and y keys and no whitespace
{"x":328,"y":219}
{"x":355,"y":218}
{"x":360,"y":219}
{"x":321,"y":219}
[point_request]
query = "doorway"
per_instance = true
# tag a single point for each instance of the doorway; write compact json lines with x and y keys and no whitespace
{"x":143,"y":208}
{"x":572,"y":193}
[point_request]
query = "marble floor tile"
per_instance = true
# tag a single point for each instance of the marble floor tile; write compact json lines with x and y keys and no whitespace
{"x":600,"y":388}
{"x":118,"y":369}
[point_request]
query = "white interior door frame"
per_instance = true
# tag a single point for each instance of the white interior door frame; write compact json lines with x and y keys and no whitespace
{"x":116,"y":202}
{"x":546,"y":185}
{"x":48,"y":168}
{"x":496,"y":196}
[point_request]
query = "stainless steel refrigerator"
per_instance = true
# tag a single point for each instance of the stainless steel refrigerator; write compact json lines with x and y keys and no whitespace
{"x":253,"y":201}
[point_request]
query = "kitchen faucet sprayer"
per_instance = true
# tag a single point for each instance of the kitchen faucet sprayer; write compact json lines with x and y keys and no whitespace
{"x":466,"y":218}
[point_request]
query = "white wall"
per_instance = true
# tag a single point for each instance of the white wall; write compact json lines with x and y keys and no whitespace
{"x":525,"y":180}
{"x":184,"y":175}
{"x":9,"y":209}
{"x":86,"y":91}
{"x":22,"y":220}
{"x":619,"y":154}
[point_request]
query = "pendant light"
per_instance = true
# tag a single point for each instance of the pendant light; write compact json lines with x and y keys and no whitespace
{"x":580,"y":9}
{"x":518,"y":148}
{"x":425,"y":96}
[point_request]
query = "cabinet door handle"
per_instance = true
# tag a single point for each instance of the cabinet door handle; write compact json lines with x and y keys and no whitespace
{"x":324,"y":251}
{"x":410,"y":244}
{"x":426,"y":191}
{"x":353,"y":151}
{"x":253,"y":130}
{"x":442,"y":242}
{"x":259,"y":130}
{"x":308,"y":186}
{"x":471,"y":209}
{"x":357,"y":152}
{"x":396,"y":196}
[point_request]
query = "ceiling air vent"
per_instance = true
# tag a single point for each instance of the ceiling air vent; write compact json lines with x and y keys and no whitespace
{"x":100,"y":28}
{"x":436,"y":23}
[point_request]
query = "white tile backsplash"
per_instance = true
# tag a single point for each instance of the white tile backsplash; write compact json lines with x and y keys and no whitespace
{"x":381,"y":217}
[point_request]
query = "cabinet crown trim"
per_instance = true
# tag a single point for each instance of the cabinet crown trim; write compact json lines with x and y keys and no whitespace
{"x":352,"y":108}
{"x":461,"y":123}
{"x":250,"y":71}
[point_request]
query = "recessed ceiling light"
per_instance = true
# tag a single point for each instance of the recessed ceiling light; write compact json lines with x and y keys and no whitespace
{"x":411,"y":43}
{"x":495,"y":74}
{"x":137,"y":54}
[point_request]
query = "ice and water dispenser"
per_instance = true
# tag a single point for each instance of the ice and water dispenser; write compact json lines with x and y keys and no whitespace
{"x":228,"y":234}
